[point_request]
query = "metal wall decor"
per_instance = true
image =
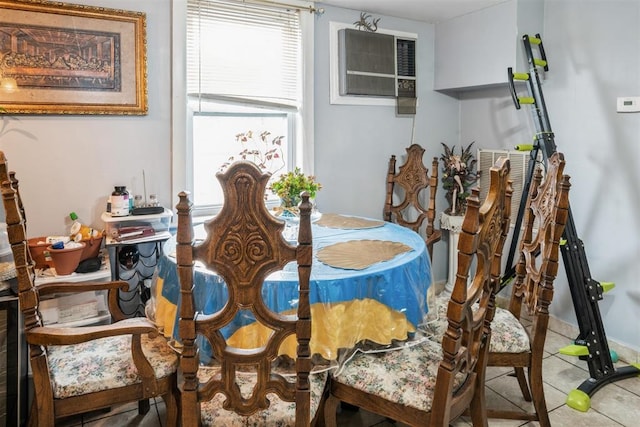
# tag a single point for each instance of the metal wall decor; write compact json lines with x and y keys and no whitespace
{"x":364,"y":24}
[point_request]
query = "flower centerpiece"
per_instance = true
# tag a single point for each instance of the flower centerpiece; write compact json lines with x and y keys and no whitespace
{"x":457,"y":177}
{"x":266,"y":152}
{"x":290,"y":185}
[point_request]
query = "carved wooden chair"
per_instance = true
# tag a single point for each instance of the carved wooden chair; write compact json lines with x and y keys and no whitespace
{"x":81,"y":369}
{"x":513,"y":343}
{"x":414,"y":181}
{"x":433,"y":383}
{"x":244,"y":244}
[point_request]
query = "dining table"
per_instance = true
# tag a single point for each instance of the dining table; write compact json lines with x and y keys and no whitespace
{"x":369,"y":283}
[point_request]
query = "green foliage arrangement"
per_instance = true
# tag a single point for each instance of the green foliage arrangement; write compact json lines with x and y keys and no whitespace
{"x":266,"y":153}
{"x":289,"y":186}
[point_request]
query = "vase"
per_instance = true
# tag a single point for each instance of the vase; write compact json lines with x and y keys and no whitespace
{"x":290,"y":202}
{"x":290,"y":212}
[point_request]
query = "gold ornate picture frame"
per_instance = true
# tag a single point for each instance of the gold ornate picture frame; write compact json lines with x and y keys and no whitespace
{"x":60,"y":58}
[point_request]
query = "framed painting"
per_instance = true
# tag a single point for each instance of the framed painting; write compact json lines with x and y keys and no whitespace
{"x":60,"y":58}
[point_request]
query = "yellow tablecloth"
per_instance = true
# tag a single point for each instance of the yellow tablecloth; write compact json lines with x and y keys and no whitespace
{"x":335,"y":326}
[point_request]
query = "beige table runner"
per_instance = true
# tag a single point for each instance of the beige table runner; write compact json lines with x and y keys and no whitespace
{"x":360,"y":254}
{"x":332,"y":220}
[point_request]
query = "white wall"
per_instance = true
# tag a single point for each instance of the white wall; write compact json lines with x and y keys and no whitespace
{"x":593,"y":48}
{"x":353,"y":143}
{"x":75,"y":161}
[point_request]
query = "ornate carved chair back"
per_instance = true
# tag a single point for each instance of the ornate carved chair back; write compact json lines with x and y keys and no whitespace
{"x":243,"y":245}
{"x":17,"y":233}
{"x":414,"y":182}
{"x":7,"y":175}
{"x":434,"y":382}
{"x":513,"y":344}
{"x":472,"y":304}
{"x":545,"y":218}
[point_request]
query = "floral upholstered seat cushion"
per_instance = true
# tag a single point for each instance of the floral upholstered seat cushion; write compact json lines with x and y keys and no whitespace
{"x":104,"y":364}
{"x":507,"y":333}
{"x":435,"y":323}
{"x":279,"y":413}
{"x":406,"y":376}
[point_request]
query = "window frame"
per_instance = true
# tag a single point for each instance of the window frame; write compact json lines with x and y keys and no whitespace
{"x":181,"y":146}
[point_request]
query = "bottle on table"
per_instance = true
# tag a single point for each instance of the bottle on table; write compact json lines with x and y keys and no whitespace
{"x":120,"y":202}
{"x":79,"y":231}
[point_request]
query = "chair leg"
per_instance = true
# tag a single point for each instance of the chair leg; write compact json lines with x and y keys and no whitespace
{"x":143,"y":406}
{"x":331,"y":411}
{"x":171,"y":405}
{"x":522,"y":382}
{"x":539,"y":403}
{"x":478,"y":407}
{"x":33,"y":415}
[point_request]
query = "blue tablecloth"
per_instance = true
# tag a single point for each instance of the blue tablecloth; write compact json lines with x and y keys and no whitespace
{"x":401,"y":283}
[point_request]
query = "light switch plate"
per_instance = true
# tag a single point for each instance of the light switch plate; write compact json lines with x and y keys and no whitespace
{"x":628,"y":104}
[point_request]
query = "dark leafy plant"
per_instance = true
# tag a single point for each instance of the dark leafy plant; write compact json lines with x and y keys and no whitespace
{"x":266,"y":153}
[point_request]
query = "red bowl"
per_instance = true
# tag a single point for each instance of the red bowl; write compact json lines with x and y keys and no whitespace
{"x":39,"y":253}
{"x":92,"y":247}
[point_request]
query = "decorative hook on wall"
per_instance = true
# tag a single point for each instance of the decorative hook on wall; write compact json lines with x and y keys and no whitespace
{"x":363,"y":23}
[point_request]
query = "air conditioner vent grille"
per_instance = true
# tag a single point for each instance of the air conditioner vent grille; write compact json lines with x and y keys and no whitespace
{"x":406,"y":52}
{"x":519,"y":169}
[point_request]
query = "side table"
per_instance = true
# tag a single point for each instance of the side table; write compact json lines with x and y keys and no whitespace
{"x":134,"y":259}
{"x":453,"y":224}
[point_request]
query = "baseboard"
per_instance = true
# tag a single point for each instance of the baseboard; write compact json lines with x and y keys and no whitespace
{"x":625,"y":354}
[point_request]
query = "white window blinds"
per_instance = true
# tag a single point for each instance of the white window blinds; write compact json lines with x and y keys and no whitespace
{"x":240,"y":51}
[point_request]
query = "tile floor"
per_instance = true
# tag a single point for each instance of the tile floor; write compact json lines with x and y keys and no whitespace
{"x":616,"y":404}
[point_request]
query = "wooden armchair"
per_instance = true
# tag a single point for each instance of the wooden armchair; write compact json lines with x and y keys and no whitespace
{"x":244,"y":244}
{"x":513,"y":343}
{"x":432,"y":383}
{"x":414,"y":180}
{"x":81,"y":369}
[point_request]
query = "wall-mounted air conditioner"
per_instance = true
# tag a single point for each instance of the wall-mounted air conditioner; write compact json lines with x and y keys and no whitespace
{"x":376,"y":64}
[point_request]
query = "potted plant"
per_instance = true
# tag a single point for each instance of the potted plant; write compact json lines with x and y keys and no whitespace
{"x":266,"y":153}
{"x":290,"y":185}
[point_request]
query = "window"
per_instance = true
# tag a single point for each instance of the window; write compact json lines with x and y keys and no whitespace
{"x":244,"y":72}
